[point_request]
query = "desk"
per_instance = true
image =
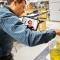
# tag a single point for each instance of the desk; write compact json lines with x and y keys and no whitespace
{"x":43,"y":54}
{"x":29,"y":53}
{"x":43,"y":16}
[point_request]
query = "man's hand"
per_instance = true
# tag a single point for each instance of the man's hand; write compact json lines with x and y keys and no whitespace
{"x":57,"y":31}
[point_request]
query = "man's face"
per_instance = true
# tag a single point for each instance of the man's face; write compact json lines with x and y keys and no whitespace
{"x":20,"y":7}
{"x":30,"y":23}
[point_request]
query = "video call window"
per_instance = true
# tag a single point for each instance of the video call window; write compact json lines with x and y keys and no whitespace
{"x":32,"y":23}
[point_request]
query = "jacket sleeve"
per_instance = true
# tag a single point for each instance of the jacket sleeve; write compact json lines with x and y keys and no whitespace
{"x":17,"y":30}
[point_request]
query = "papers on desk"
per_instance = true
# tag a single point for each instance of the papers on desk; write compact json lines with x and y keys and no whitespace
{"x":31,"y":15}
{"x":36,"y":14}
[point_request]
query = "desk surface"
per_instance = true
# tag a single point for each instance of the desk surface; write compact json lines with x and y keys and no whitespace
{"x":44,"y":16}
{"x":29,"y":53}
{"x":43,"y":54}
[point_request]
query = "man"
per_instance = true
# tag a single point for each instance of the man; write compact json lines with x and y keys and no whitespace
{"x":11,"y":27}
{"x":30,"y":25}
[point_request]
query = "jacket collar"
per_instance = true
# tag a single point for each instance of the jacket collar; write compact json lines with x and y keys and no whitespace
{"x":5,"y":6}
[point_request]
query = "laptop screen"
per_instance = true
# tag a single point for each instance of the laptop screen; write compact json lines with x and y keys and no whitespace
{"x":31,"y":23}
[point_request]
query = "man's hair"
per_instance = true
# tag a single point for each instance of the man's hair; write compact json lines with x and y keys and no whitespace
{"x":29,"y":21}
{"x":10,"y":1}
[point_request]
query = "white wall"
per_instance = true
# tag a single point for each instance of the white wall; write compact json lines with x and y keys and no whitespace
{"x":54,"y":10}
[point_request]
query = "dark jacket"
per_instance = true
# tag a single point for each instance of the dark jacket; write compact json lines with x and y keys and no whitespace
{"x":11,"y":27}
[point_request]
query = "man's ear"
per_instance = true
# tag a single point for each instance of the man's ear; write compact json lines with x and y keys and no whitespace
{"x":15,"y":2}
